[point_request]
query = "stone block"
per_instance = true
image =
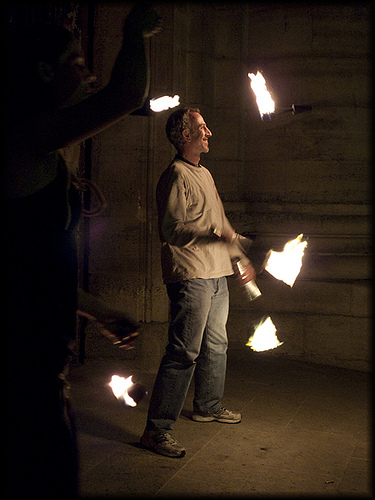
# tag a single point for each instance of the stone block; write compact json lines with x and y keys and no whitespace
{"x":338,"y":340}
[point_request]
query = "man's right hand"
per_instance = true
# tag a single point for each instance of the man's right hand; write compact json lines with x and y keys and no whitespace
{"x":246,"y":273}
{"x":227,"y":235}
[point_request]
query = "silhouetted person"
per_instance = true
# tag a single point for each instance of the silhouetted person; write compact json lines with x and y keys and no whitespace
{"x":49,"y":105}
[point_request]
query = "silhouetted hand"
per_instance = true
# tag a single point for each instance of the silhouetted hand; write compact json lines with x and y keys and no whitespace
{"x":121,"y":331}
{"x":144,"y":18}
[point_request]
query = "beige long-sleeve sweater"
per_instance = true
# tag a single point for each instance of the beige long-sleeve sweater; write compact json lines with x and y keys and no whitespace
{"x":189,"y":210}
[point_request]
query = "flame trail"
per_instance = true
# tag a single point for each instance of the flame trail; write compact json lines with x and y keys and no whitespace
{"x":165,"y":102}
{"x":287,"y":264}
{"x":120,"y":387}
{"x":264,"y":100}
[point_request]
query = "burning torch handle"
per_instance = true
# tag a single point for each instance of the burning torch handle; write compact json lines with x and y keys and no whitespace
{"x":113,"y":323}
{"x":122,"y":332}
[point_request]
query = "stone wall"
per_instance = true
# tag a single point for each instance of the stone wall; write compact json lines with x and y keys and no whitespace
{"x":304,"y":173}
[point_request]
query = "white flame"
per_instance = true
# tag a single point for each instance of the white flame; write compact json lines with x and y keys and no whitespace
{"x":287,"y":264}
{"x":120,"y":387}
{"x":265,"y":103}
{"x":264,"y":337}
{"x":165,"y":102}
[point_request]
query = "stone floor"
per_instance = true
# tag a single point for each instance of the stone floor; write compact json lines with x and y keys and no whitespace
{"x":305,"y":431}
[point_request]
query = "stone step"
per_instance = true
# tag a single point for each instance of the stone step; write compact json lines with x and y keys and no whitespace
{"x":336,"y":267}
{"x":316,"y":243}
{"x":325,"y":339}
{"x":324,"y":259}
{"x":305,"y":297}
{"x":294,"y":224}
{"x":307,"y":208}
{"x":334,"y":227}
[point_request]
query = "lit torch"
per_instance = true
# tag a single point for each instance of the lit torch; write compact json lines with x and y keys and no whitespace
{"x":126,"y":391}
{"x":264,"y":100}
{"x":265,"y":103}
{"x":287,"y":264}
{"x":264,"y":337}
{"x":156,"y":105}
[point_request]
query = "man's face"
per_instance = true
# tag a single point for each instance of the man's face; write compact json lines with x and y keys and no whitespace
{"x":199,"y":134}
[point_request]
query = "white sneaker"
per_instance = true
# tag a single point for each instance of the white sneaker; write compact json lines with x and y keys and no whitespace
{"x":221,"y":415}
{"x":163,"y":443}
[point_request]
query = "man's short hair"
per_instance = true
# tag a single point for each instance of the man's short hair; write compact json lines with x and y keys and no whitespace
{"x":178,"y":121}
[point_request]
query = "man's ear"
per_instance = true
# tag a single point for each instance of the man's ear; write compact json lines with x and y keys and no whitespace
{"x":46,"y":72}
{"x":186,"y":134}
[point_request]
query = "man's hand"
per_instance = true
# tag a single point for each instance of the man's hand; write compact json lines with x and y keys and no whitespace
{"x":244,"y":272}
{"x":247,"y":273}
{"x":227,"y":235}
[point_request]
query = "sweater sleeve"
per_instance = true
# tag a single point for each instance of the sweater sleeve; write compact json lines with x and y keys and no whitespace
{"x":174,"y":228}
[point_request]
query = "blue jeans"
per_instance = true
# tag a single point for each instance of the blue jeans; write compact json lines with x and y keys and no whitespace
{"x":197,"y":345}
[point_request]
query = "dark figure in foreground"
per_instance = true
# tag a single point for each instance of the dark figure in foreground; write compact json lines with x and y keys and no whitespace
{"x":49,"y":106}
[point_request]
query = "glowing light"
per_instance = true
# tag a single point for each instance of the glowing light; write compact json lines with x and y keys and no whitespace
{"x":120,"y":387}
{"x":264,"y":337}
{"x":264,"y":100}
{"x":287,"y":264}
{"x":165,"y":102}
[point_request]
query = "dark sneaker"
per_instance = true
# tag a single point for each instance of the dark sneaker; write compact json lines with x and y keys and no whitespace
{"x":163,"y":443}
{"x":222,"y":415}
